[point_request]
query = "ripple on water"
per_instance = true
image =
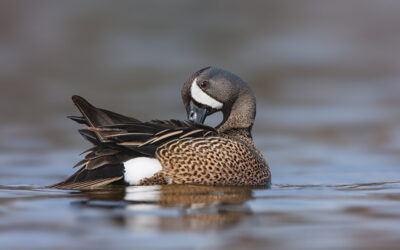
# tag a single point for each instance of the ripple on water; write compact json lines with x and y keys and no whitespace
{"x":283,"y":212}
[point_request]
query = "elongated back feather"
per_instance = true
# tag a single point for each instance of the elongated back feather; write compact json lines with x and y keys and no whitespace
{"x":85,"y":178}
{"x":100,"y":117}
{"x":95,"y":117}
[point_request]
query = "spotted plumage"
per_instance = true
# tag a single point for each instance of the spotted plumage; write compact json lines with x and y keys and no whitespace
{"x":187,"y":152}
{"x":213,"y":160}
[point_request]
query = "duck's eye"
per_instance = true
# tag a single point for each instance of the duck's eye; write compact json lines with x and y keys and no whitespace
{"x":204,"y":84}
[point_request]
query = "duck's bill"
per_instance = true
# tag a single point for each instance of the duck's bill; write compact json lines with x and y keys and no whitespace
{"x":196,"y":113}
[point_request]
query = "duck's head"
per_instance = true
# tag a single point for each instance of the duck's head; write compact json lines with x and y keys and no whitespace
{"x":211,"y":90}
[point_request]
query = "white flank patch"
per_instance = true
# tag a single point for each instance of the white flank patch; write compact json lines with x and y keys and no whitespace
{"x":201,"y":97}
{"x":141,"y":167}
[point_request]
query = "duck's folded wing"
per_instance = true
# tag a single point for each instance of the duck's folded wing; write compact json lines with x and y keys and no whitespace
{"x":103,"y":163}
{"x":126,"y":141}
{"x":145,"y":138}
{"x":116,"y":139}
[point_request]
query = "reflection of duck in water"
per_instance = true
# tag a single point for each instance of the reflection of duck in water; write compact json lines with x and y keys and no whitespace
{"x":190,"y":195}
{"x":174,"y":207}
{"x":127,"y":151}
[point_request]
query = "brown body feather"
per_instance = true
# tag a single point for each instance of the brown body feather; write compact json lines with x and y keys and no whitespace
{"x":213,"y":160}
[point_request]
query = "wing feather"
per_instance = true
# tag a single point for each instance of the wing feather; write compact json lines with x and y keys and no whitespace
{"x":117,"y":138}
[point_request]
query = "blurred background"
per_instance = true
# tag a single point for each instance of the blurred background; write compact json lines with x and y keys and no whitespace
{"x":325,"y":73}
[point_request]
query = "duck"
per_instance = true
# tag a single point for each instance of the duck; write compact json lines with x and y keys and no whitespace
{"x":127,"y":151}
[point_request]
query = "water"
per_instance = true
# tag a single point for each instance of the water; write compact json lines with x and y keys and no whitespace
{"x":327,"y":83}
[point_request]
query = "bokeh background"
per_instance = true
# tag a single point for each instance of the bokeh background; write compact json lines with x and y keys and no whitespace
{"x":325,"y":73}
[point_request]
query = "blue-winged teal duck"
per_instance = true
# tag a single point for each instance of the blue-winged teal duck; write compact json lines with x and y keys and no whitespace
{"x":128,"y":151}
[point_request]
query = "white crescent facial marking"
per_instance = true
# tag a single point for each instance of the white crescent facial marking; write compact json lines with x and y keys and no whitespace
{"x":201,"y":97}
{"x":141,"y":167}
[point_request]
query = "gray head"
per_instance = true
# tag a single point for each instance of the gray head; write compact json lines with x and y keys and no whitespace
{"x":211,"y":89}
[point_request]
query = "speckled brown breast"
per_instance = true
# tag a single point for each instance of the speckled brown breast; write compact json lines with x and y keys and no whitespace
{"x":210,"y":160}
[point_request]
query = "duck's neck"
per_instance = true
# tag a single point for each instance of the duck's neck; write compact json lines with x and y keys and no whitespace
{"x":240,"y":118}
{"x":239,"y":132}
